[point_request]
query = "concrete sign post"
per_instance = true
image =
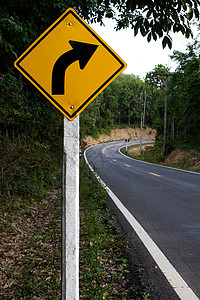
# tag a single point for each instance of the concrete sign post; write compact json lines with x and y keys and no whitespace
{"x":70,"y":211}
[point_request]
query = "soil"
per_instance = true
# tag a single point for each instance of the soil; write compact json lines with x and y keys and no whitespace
{"x":136,"y":150}
{"x":189,"y":160}
{"x":179,"y":158}
{"x":148,"y":134}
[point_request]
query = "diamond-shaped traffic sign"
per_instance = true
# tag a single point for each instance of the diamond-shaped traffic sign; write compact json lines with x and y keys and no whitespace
{"x":70,"y":64}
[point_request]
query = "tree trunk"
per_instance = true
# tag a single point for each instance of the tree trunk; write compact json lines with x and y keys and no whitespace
{"x":145,"y":100}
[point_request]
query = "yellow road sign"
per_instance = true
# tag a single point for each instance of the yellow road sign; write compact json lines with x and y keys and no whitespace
{"x":70,"y":64}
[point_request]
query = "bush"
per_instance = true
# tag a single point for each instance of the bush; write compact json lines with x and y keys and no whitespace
{"x":27,"y":170}
{"x":169,"y":146}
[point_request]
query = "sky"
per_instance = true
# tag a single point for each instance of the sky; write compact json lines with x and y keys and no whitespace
{"x":140,"y":56}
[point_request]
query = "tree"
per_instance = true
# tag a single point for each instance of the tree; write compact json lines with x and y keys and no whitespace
{"x":184,"y":98}
{"x":152,"y":18}
{"x":183,"y":112}
{"x":23,"y":21}
{"x":156,"y":91}
{"x":117,"y":105}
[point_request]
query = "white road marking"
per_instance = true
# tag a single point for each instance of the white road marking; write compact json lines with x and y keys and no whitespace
{"x":147,"y":163}
{"x":177,"y":282}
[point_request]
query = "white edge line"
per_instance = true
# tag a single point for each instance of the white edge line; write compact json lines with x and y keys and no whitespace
{"x":177,"y":282}
{"x":144,"y":162}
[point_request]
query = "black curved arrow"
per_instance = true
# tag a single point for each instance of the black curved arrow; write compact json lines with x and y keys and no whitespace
{"x":82,"y":52}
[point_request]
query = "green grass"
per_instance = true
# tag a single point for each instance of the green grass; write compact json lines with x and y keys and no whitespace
{"x":151,"y":154}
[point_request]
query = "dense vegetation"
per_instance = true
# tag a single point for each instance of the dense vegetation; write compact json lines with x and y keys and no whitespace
{"x":31,"y":128}
{"x":128,"y":96}
{"x":184,"y":97}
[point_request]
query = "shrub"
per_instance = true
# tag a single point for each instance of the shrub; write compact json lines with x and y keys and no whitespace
{"x":27,"y":169}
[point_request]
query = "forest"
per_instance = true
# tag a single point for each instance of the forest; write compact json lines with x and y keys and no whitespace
{"x":129,"y":97}
{"x":31,"y":127}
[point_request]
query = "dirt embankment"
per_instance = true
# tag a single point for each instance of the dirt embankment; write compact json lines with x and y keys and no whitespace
{"x":179,"y":158}
{"x":189,"y":160}
{"x":136,"y":150}
{"x":122,"y":134}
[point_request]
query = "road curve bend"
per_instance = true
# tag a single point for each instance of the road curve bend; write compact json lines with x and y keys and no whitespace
{"x":163,"y":207}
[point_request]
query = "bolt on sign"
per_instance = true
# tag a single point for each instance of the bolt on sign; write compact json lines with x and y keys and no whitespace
{"x":70,"y":64}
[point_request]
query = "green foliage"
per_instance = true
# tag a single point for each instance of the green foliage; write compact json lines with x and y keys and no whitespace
{"x":157,"y":18}
{"x":184,"y":97}
{"x":13,"y":110}
{"x":155,"y":89}
{"x":155,"y":79}
{"x":24,"y":113}
{"x":90,"y":119}
{"x":183,"y":109}
{"x":23,"y":21}
{"x":27,"y":169}
{"x":169,"y":146}
{"x":118,"y":104}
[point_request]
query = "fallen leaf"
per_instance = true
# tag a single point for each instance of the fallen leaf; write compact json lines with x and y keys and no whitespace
{"x":105,"y":294}
{"x":22,"y":267}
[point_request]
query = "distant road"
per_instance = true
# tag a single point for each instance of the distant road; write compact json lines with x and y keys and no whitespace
{"x":165,"y":202}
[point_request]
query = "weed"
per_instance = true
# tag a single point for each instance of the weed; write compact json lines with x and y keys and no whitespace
{"x":140,"y":268}
{"x":145,"y":296}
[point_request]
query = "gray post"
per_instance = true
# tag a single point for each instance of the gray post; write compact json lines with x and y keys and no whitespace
{"x":145,"y":100}
{"x":70,"y":211}
{"x":141,"y":133}
{"x":165,"y":116}
{"x":142,"y":104}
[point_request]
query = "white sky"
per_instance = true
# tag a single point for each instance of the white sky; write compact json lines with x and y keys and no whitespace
{"x":140,"y":56}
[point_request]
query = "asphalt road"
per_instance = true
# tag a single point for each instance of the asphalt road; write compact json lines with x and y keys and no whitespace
{"x":165,"y":201}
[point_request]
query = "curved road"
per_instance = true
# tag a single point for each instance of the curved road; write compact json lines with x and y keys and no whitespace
{"x":165,"y":201}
